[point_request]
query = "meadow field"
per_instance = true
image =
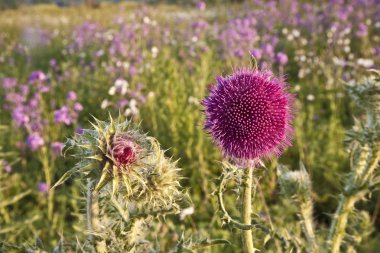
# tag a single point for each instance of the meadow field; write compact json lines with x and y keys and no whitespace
{"x":154,"y":64}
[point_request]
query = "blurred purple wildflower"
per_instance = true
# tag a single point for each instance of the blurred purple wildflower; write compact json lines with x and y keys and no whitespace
{"x":34,"y":141}
{"x":9,"y":82}
{"x":57,"y":148}
{"x":43,"y":187}
{"x":71,"y":95}
{"x":201,"y":5}
{"x":256,"y":53}
{"x":20,"y":116}
{"x":37,"y":76}
{"x":63,"y":116}
{"x":282,"y":58}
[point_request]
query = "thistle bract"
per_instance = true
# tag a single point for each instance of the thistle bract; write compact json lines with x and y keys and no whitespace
{"x":249,"y":114}
{"x":294,"y":183}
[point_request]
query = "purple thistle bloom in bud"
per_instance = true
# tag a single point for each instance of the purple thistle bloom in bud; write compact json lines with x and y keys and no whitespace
{"x":57,"y":148}
{"x":37,"y":76}
{"x":124,"y":150}
{"x":282,"y":58}
{"x":249,"y":115}
{"x":71,"y":95}
{"x":43,"y":187}
{"x":34,"y":141}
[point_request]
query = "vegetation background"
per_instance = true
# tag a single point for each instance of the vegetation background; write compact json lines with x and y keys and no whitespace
{"x":166,"y":55}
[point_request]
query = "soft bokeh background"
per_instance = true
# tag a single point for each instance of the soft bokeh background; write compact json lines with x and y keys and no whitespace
{"x":154,"y":62}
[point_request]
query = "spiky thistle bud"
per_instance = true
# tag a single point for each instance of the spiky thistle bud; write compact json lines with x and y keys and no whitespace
{"x":109,"y":151}
{"x":366,"y":94}
{"x":294,"y":183}
{"x":135,"y":164}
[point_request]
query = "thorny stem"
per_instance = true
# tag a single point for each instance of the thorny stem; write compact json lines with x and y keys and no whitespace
{"x":47,"y":172}
{"x":338,"y":226}
{"x":348,"y":199}
{"x":254,"y":223}
{"x":306,"y":210}
{"x":93,"y":222}
{"x":247,"y":210}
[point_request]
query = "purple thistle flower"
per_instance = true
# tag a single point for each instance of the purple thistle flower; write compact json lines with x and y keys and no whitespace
{"x":34,"y":141}
{"x":43,"y":187}
{"x":249,"y":115}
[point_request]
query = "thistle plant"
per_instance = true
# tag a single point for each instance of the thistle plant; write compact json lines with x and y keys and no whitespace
{"x":130,"y":184}
{"x":297,"y":186}
{"x":249,"y":116}
{"x":364,"y":146}
{"x":363,"y":141}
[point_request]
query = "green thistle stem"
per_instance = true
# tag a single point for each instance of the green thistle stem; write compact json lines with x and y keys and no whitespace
{"x":247,"y":210}
{"x":93,"y":222}
{"x":338,"y":226}
{"x":47,"y":172}
{"x":306,"y":210}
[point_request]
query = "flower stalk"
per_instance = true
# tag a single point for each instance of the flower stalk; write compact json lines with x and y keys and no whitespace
{"x":93,"y":220}
{"x":306,"y":212}
{"x":247,"y":210}
{"x":338,"y":226}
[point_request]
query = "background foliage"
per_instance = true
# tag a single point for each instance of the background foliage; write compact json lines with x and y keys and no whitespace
{"x":155,"y":63}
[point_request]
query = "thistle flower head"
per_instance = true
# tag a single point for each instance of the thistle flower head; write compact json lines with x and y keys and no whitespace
{"x":130,"y":163}
{"x":366,"y":94}
{"x":124,"y":150}
{"x":249,"y":114}
{"x":294,"y":183}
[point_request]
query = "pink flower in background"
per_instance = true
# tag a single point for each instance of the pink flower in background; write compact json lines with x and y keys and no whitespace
{"x":34,"y":141}
{"x":63,"y":116}
{"x":37,"y":76}
{"x":71,"y":95}
{"x":57,"y":148}
{"x":43,"y":187}
{"x":201,"y":5}
{"x":282,"y":58}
